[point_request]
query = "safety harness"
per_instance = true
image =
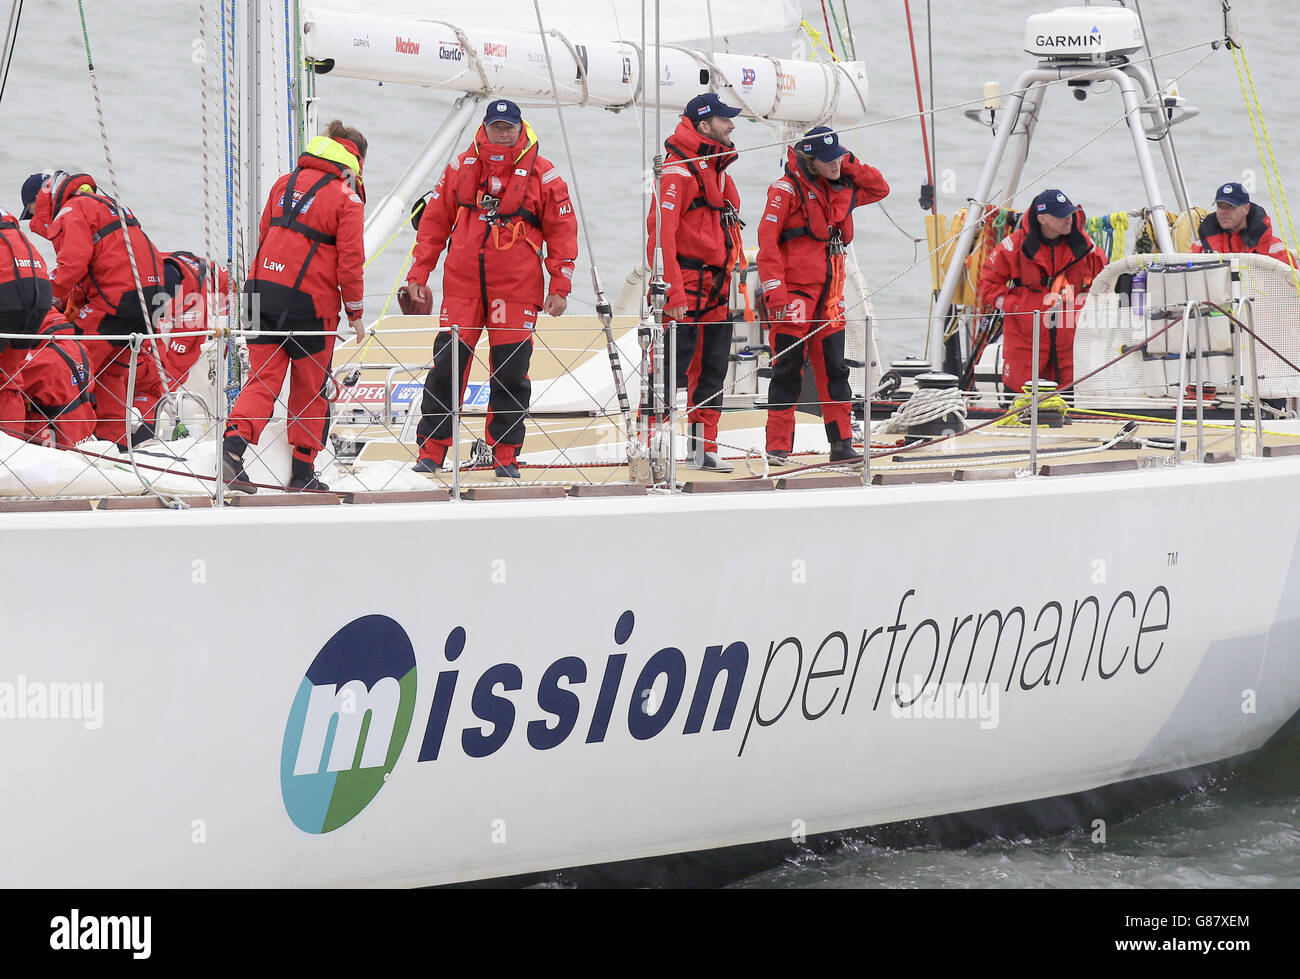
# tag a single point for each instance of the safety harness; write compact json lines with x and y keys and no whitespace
{"x":32,"y":293}
{"x":830,"y":302}
{"x":293,"y":206}
{"x":707,"y":300}
{"x":80,"y":368}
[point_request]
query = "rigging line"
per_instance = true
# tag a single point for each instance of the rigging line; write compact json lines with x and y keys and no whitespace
{"x":853,"y":41}
{"x":121,"y":208}
{"x":602,"y":307}
{"x":11,"y":44}
{"x":920,"y":105}
{"x":965,"y":103}
{"x":225,"y":124}
{"x":1258,"y":110}
{"x":929,"y":54}
{"x":839,"y":30}
{"x":288,"y":82}
{"x":826,"y":20}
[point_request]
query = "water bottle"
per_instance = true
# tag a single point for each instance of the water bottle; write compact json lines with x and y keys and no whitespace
{"x":1139,"y":293}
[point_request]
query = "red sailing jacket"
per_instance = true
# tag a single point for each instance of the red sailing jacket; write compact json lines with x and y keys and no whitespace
{"x":87,"y":232}
{"x":501,"y":259}
{"x":801,"y":211}
{"x":693,"y":196}
{"x":186,"y":309}
{"x":24,"y":282}
{"x":1256,"y":238}
{"x":52,"y":382}
{"x":311,"y":253}
{"x":1023,"y":269}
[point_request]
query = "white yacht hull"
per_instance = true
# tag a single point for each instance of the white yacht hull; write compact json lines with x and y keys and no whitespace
{"x":201,"y":626}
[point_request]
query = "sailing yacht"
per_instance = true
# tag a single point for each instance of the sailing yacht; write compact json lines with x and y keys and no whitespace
{"x":416,"y":680}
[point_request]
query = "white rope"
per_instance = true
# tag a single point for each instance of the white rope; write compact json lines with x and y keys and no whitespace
{"x":926,"y":405}
{"x":470,"y":52}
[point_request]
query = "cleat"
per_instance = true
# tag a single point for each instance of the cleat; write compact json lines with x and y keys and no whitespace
{"x":508,"y":470}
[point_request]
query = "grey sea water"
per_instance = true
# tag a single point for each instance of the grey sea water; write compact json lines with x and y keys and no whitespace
{"x":1238,"y":832}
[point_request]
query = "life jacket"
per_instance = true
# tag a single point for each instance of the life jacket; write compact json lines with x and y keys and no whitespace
{"x":324,"y":161}
{"x":129,"y":311}
{"x":1257,"y":225}
{"x":503,"y":205}
{"x":25,"y":289}
{"x":819,"y":223}
{"x":820,"y":226}
{"x":1076,"y":240}
{"x":709,"y":195}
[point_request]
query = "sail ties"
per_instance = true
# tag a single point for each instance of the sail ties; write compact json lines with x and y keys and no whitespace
{"x":476,"y":62}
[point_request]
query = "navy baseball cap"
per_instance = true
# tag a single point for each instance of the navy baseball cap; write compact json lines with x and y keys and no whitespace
{"x":31,"y":187}
{"x":1233,"y":194}
{"x":1053,"y":202}
{"x":503,"y":110}
{"x":823,"y":143}
{"x":707,"y":106}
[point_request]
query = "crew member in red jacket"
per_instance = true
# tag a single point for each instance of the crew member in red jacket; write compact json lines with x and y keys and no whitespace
{"x":495,"y":207}
{"x":106,"y":281}
{"x":190,"y":290}
{"x":25,"y":291}
{"x":1046,"y":264}
{"x":1237,"y":225}
{"x":806,"y":226}
{"x":311,"y":253}
{"x":46,"y":391}
{"x":697,"y":207}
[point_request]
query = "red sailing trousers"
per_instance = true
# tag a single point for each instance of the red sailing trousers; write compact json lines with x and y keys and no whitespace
{"x":308,"y":407}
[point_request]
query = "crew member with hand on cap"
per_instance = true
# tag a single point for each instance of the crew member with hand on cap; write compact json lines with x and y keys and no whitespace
{"x":1237,"y":225}
{"x":806,"y":226}
{"x":495,"y":208}
{"x":1046,"y":264}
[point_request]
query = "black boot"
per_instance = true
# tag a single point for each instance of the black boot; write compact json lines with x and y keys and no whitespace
{"x":232,"y":464}
{"x":303,"y":478}
{"x":842,"y":451}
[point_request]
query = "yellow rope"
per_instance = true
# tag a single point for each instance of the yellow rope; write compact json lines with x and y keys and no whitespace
{"x":1119,"y":228}
{"x":401,"y":277}
{"x":1051,"y":403}
{"x":816,"y":37}
{"x":1253,"y":109}
{"x":1165,"y":421}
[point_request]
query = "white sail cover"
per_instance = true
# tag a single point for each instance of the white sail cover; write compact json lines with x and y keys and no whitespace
{"x":679,"y":20}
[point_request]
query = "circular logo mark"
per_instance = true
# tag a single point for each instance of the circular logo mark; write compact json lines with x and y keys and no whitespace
{"x":348,"y":723}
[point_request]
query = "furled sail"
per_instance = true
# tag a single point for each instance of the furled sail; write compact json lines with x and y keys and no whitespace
{"x":679,"y":20}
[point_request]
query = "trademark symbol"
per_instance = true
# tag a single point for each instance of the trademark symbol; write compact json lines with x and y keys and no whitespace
{"x":1172,"y":557}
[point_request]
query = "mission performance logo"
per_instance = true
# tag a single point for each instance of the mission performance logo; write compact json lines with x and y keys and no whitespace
{"x":348,"y":723}
{"x":353,"y":710}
